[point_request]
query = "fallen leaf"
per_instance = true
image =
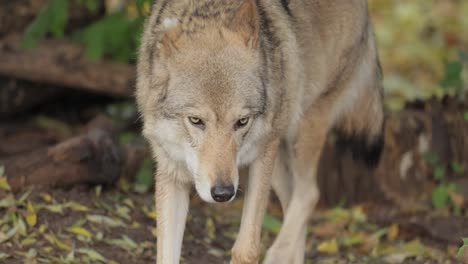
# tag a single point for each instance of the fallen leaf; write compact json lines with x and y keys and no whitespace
{"x":353,"y":239}
{"x":92,"y":255}
{"x":42,"y":228}
{"x":28,"y":241}
{"x":79,"y":231}
{"x":7,"y":202}
{"x":4,"y":185}
{"x":125,"y":243}
{"x":76,"y":207}
{"x":123,"y":211}
{"x":31,"y":217}
{"x":216,"y":252}
{"x":358,"y":215}
{"x":55,"y":241}
{"x":210,"y":228}
{"x":104,"y":220}
{"x":11,"y":233}
{"x":70,"y":258}
{"x":328,"y":247}
{"x":55,"y":208}
{"x":392,"y":232}
{"x":400,"y":253}
{"x":46,"y":197}
{"x":148,"y":212}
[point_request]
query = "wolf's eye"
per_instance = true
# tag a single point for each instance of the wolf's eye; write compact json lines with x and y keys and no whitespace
{"x":242,"y":122}
{"x":196,"y":122}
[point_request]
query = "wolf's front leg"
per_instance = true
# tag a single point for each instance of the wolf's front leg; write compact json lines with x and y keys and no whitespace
{"x":246,"y":249}
{"x":172,"y":201}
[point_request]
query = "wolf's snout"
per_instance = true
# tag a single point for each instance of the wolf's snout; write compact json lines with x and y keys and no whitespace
{"x":222,"y":193}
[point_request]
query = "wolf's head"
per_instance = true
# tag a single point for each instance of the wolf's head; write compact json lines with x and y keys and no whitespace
{"x":210,"y":97}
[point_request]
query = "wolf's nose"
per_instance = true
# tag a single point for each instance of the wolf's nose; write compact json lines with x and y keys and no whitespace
{"x":222,"y":193}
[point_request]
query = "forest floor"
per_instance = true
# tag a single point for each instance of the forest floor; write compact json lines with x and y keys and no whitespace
{"x":117,"y":225}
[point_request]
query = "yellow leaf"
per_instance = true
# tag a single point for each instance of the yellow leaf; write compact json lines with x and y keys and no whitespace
{"x":42,"y":228}
{"x":210,"y":228}
{"x":55,"y":241}
{"x":151,"y":215}
{"x":31,"y":217}
{"x":46,"y":197}
{"x":4,"y":184}
{"x":328,"y":247}
{"x":76,"y":207}
{"x":47,"y":249}
{"x":392,"y":232}
{"x":28,"y":241}
{"x":79,"y":231}
{"x":93,"y":255}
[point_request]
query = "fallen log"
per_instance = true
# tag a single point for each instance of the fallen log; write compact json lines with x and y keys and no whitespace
{"x":93,"y":158}
{"x":64,"y":63}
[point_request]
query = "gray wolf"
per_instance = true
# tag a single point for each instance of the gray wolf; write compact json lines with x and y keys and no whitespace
{"x":225,"y":84}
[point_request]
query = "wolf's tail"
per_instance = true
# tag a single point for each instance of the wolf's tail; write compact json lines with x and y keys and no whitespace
{"x":361,"y":130}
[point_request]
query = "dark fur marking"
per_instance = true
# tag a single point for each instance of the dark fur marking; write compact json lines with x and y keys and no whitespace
{"x":161,"y":11}
{"x":285,"y":4}
{"x":365,"y":148}
{"x":266,"y":28}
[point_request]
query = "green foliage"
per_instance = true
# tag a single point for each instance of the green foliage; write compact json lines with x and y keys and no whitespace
{"x":442,"y":193}
{"x":462,"y":249}
{"x":452,"y":81}
{"x":431,"y":158}
{"x":440,"y":196}
{"x":439,"y":173}
{"x":115,"y":35}
{"x":272,"y":224}
{"x":53,"y":19}
{"x":457,"y":168}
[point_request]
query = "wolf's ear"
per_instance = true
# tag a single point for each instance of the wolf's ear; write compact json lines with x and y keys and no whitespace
{"x":246,"y":23}
{"x":169,"y":42}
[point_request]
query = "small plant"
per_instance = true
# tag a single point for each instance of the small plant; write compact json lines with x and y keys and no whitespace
{"x":53,"y":18}
{"x":463,"y":249}
{"x":445,"y":193}
{"x":115,"y":34}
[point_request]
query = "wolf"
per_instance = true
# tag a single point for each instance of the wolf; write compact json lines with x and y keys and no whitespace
{"x":228,"y":84}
